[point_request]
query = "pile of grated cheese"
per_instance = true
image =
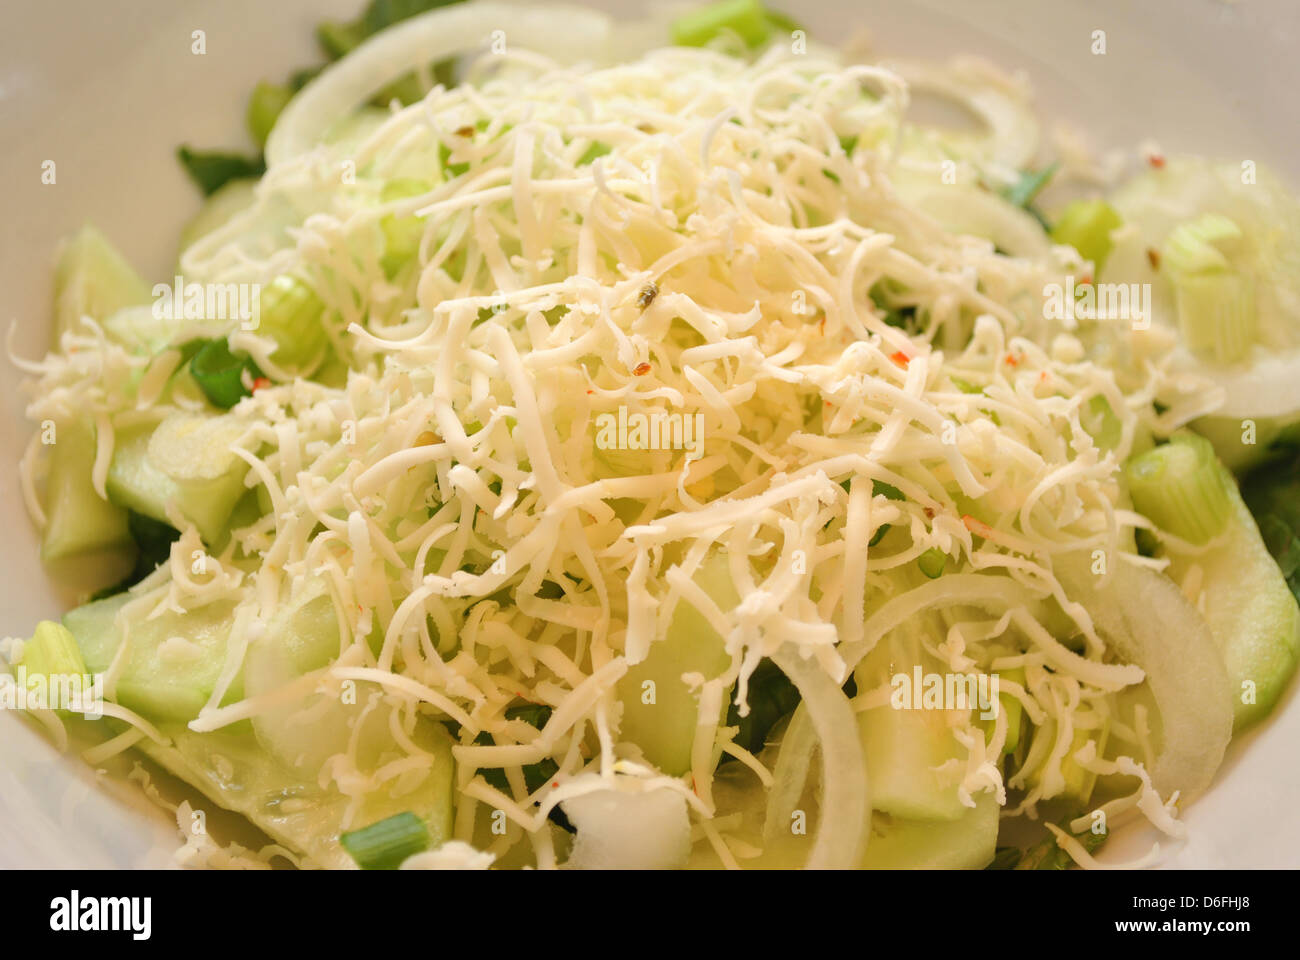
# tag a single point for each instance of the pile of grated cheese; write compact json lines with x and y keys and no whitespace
{"x":683,"y":234}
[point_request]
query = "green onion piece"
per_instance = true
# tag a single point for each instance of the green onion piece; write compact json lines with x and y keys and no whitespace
{"x":965,"y":386}
{"x":290,"y":313}
{"x":1101,"y":423}
{"x":384,"y":845}
{"x":264,"y":108}
{"x":402,"y":234}
{"x":1200,"y":245}
{"x":52,"y":652}
{"x":932,"y":562}
{"x":219,"y":373}
{"x":1181,"y":487}
{"x":746,"y":18}
{"x":1216,"y":315}
{"x":1086,"y":225}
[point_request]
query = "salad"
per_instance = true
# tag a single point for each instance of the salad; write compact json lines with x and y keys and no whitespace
{"x":591,"y":445}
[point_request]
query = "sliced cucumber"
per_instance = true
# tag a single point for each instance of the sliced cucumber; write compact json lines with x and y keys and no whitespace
{"x":903,"y":749}
{"x":233,"y":771}
{"x":966,"y":843}
{"x":304,"y":636}
{"x":186,"y":461}
{"x":1251,"y":611}
{"x":79,"y":520}
{"x":664,"y":727}
{"x":93,"y":279}
{"x":172,"y":661}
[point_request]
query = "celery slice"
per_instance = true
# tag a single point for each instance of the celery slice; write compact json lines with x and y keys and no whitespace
{"x":1216,"y":315}
{"x":1180,"y":487}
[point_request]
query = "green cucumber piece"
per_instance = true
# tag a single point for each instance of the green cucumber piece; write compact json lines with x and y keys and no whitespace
{"x":966,"y":843}
{"x":903,"y":748}
{"x":78,"y":519}
{"x":172,"y":661}
{"x":186,"y":461}
{"x":232,"y":770}
{"x":1251,"y":611}
{"x":665,"y":728}
{"x":93,"y":279}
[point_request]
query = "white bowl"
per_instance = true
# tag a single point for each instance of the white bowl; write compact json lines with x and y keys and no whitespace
{"x":107,"y":91}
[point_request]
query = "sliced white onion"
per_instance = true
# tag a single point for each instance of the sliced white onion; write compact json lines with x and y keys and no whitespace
{"x":994,"y":593}
{"x":845,"y":806}
{"x":564,"y":33}
{"x":789,"y":773}
{"x":999,"y":103}
{"x":1147,"y":620}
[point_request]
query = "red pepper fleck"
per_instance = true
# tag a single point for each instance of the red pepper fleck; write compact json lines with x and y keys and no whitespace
{"x":901,"y":359}
{"x":1157,"y":160}
{"x":259,"y":383}
{"x":590,"y":392}
{"x":554,"y":784}
{"x":1086,"y":281}
{"x":641,"y":369}
{"x":821,"y":325}
{"x":1042,"y":377}
{"x":929,"y":513}
{"x":977,"y":527}
{"x":1153,"y":255}
{"x":1010,"y":360}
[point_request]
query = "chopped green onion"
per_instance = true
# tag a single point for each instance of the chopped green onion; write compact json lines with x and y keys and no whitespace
{"x":52,"y":652}
{"x":1181,"y":487}
{"x":264,"y":107}
{"x":1086,"y":225}
{"x":290,"y":314}
{"x":384,"y":845}
{"x":1216,"y":314}
{"x":965,"y":386}
{"x":745,"y":18}
{"x":220,"y":373}
{"x":1200,"y":245}
{"x":932,"y":562}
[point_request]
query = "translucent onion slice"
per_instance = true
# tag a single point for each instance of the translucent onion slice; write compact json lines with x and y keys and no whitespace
{"x":845,"y":805}
{"x":1146,"y":620}
{"x":564,"y":33}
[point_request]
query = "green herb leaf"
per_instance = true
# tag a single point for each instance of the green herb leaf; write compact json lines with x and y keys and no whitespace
{"x":213,"y":169}
{"x":219,"y":373}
